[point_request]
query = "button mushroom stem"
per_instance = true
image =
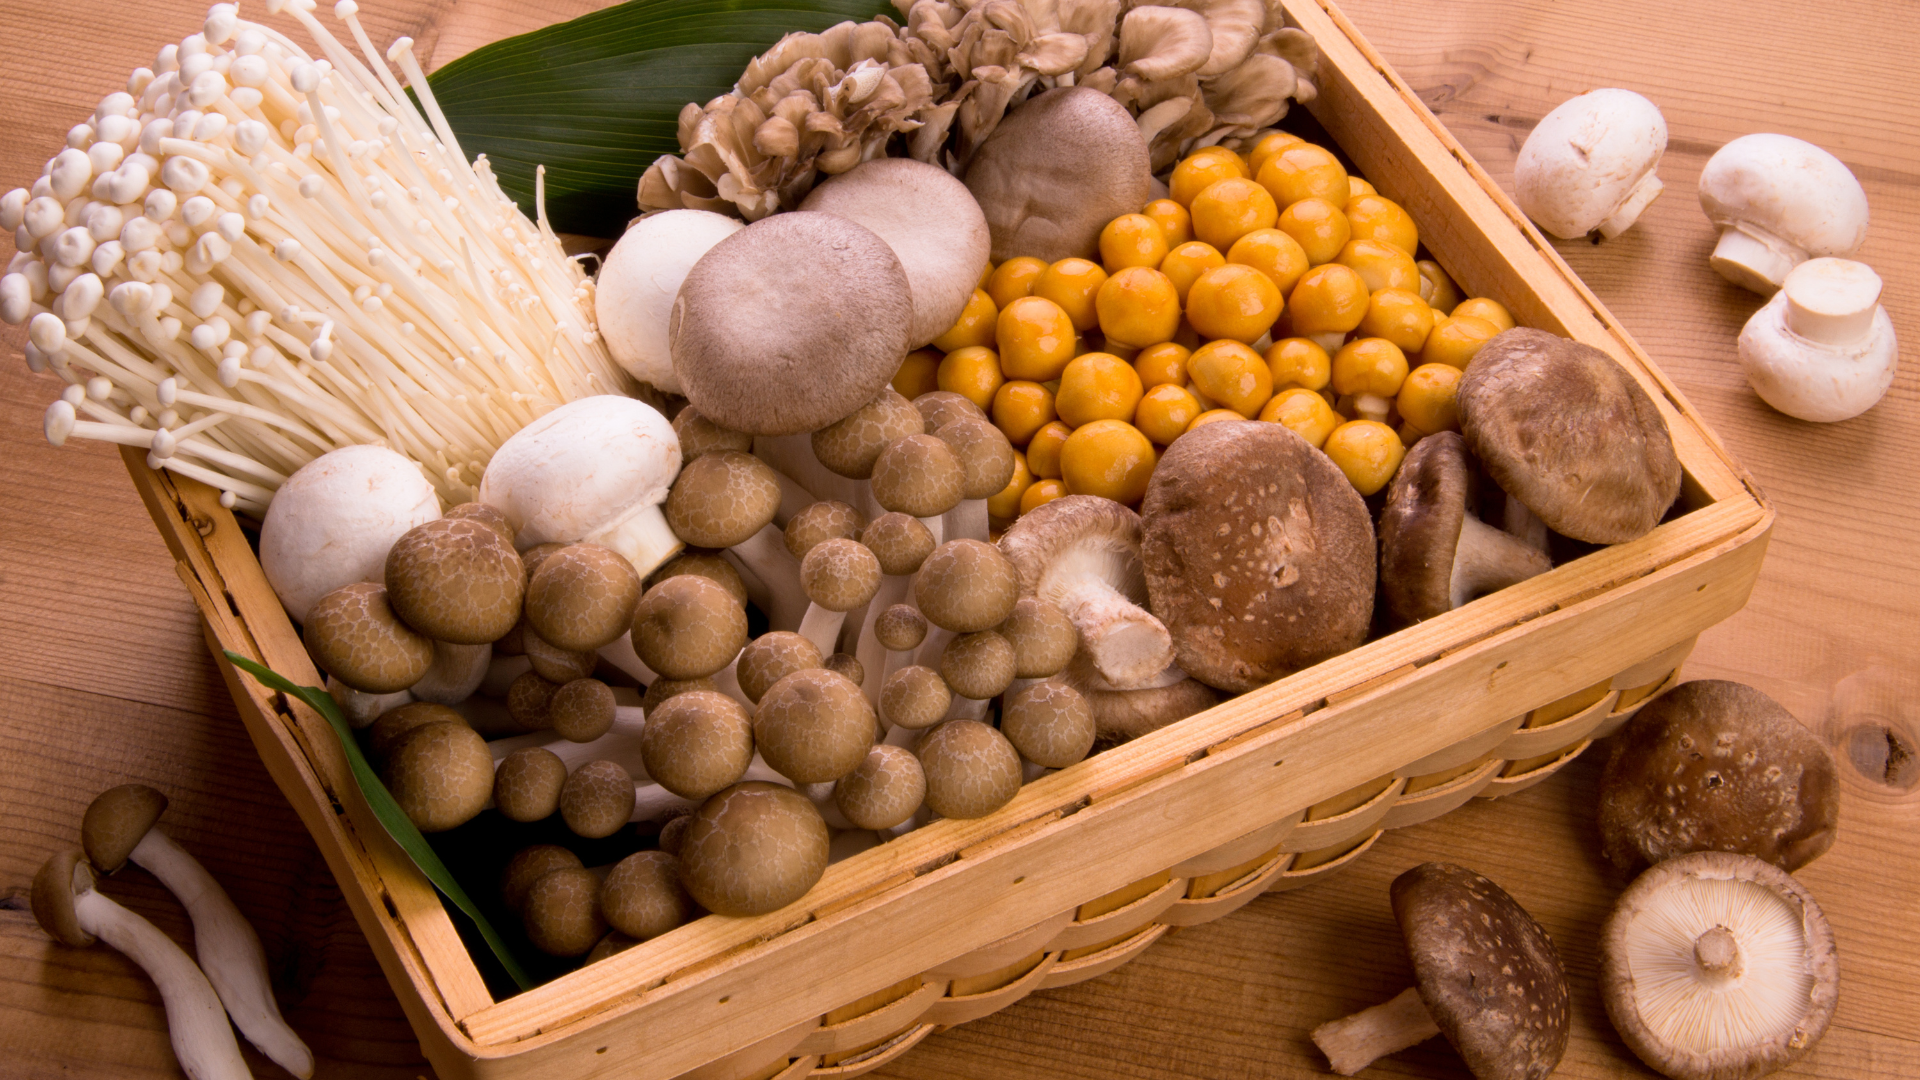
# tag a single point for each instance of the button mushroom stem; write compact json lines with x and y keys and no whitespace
{"x":1354,"y":1042}
{"x":68,"y":907}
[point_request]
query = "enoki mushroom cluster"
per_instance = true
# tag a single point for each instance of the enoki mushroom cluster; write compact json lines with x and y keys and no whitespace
{"x":251,"y":257}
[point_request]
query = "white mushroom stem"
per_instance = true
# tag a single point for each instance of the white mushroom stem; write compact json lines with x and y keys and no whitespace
{"x":1823,"y":348}
{"x":821,"y":626}
{"x":621,"y":655}
{"x":621,"y":744}
{"x":457,"y":671}
{"x":876,"y":660}
{"x":229,"y":951}
{"x":642,"y":537}
{"x":966,"y":708}
{"x":821,"y":795}
{"x":792,"y":457}
{"x":1486,"y":559}
{"x":1124,"y":641}
{"x":727,"y":681}
{"x":654,"y":803}
{"x":934,"y":644}
{"x":1354,"y":1042}
{"x":362,"y":709}
{"x":772,"y":577}
{"x":502,"y":670}
{"x":1637,"y":201}
{"x":966,"y":521}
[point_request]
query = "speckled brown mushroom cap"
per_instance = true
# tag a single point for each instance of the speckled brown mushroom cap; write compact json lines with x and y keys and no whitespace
{"x":582,"y":597}
{"x":1435,"y":555}
{"x":722,"y":498}
{"x":396,"y":723}
{"x":986,"y":457}
{"x":530,"y":699}
{"x":115,"y":822}
{"x":1487,"y":971}
{"x":938,"y":408}
{"x":1718,"y":965}
{"x":699,"y":435}
{"x":562,"y":912}
{"x":885,"y":790}
{"x":823,"y":520}
{"x":354,"y":636}
{"x":582,"y":710}
{"x":440,"y":775}
{"x":771,"y":657}
{"x":753,"y":848}
{"x":491,"y":516}
{"x":813,"y":726}
{"x":918,"y":475}
{"x":707,"y":564}
{"x":456,"y":580}
{"x":643,"y":896}
{"x":848,"y":665}
{"x":60,"y":879}
{"x":790,"y":324}
{"x":597,"y":799}
{"x":1717,"y":766}
{"x":914,"y":697}
{"x":553,"y":663}
{"x":663,"y":689}
{"x":966,"y":585}
{"x":529,"y":865}
{"x":978,"y":665}
{"x":531,"y":558}
{"x":526,"y":786}
{"x":695,"y":744}
{"x":1042,"y":636}
{"x":972,"y":770}
{"x":1056,"y":170}
{"x":1564,"y":429}
{"x":1259,"y":554}
{"x":900,"y":627}
{"x":1050,"y":724}
{"x":687,"y":627}
{"x":900,"y":541}
{"x":851,"y":445}
{"x":840,"y":574}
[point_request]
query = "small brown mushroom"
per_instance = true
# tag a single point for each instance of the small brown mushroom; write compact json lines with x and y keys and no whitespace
{"x":707,"y":564}
{"x":918,"y":475}
{"x":529,"y":865}
{"x":1488,"y":979}
{"x":596,"y":801}
{"x":354,"y":636}
{"x":553,"y":663}
{"x":851,"y":445}
{"x":848,"y":665}
{"x":986,"y":467}
{"x":914,"y":698}
{"x":1049,"y":723}
{"x":688,"y":627}
{"x":396,"y":723}
{"x":562,"y":912}
{"x":972,"y":770}
{"x":664,"y":689}
{"x":1119,"y":715}
{"x":1042,"y":636}
{"x":1056,"y":170}
{"x":900,"y":541}
{"x":820,"y":521}
{"x":695,"y":744}
{"x":771,"y":657}
{"x":938,"y":408}
{"x":440,"y":775}
{"x":965,"y":586}
{"x":530,"y":701}
{"x":753,"y":848}
{"x":884,"y":791}
{"x":699,"y":435}
{"x":490,"y":516}
{"x":721,"y":498}
{"x":582,"y":597}
{"x":456,"y":580}
{"x":526,"y":786}
{"x":838,"y":575}
{"x":643,"y":897}
{"x":978,"y":665}
{"x":900,"y":629}
{"x":582,"y":710}
{"x":1081,"y":553}
{"x":813,"y":726}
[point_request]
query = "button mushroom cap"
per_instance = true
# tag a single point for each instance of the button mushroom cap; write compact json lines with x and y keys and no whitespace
{"x":813,"y":726}
{"x":1056,"y":170}
{"x":1259,"y":554}
{"x":696,"y":744}
{"x":456,"y":580}
{"x":333,"y":520}
{"x":1435,"y":554}
{"x":635,"y":289}
{"x":1717,"y":766}
{"x":790,"y":324}
{"x":643,"y":896}
{"x":1081,"y":553}
{"x":930,"y":221}
{"x":1718,"y":965}
{"x":354,"y":636}
{"x":582,"y":597}
{"x":440,"y":774}
{"x":1778,"y":201}
{"x":753,"y":848}
{"x":1588,"y":165}
{"x":595,"y":469}
{"x":1823,"y":348}
{"x":1563,"y":428}
{"x":972,"y":770}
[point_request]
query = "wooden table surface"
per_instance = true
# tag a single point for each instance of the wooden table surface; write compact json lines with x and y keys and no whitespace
{"x":104,"y":678}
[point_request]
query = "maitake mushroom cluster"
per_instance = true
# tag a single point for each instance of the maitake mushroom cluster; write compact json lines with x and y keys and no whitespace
{"x":1193,"y":74}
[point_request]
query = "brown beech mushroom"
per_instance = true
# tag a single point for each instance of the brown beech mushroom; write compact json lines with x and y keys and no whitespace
{"x":456,"y":672}
{"x":440,"y":775}
{"x":1717,"y":766}
{"x":884,"y":790}
{"x":976,"y":667}
{"x":1081,"y":553}
{"x":901,"y":543}
{"x":68,"y":907}
{"x":455,"y":579}
{"x":966,"y":586}
{"x":707,"y":564}
{"x":838,"y":575}
{"x":790,"y":324}
{"x":728,"y":499}
{"x":848,"y":665}
{"x":596,"y":801}
{"x":688,"y":627}
{"x":355,"y":637}
{"x":582,"y":597}
{"x":1488,"y":979}
{"x":553,"y":663}
{"x":396,"y":723}
{"x":1259,"y":554}
{"x":938,"y":408}
{"x":561,"y":912}
{"x":643,"y":897}
{"x":771,"y":657}
{"x":1435,"y":552}
{"x":918,"y":475}
{"x":899,"y":630}
{"x":1056,"y":170}
{"x":695,"y":744}
{"x":914,"y":698}
{"x":491,"y":516}
{"x":699,"y":435}
{"x":972,"y":770}
{"x":753,"y":848}
{"x":582,"y":710}
{"x":1566,"y":431}
{"x":986,"y":466}
{"x":813,"y":726}
{"x":850,"y":446}
{"x":664,"y":689}
{"x":820,"y":521}
{"x":530,"y":701}
{"x":1718,"y":965}
{"x":529,"y":865}
{"x":527,"y":784}
{"x":1049,"y":723}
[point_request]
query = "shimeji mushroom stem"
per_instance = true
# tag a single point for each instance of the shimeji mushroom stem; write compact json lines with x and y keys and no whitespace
{"x":875,"y":659}
{"x":1354,"y":1042}
{"x":621,"y":744}
{"x":772,"y":577}
{"x":229,"y":951}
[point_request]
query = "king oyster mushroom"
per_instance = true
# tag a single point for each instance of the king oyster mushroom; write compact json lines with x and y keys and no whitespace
{"x":1081,"y":553}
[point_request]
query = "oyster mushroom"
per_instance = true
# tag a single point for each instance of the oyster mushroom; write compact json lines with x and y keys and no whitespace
{"x":1081,"y":553}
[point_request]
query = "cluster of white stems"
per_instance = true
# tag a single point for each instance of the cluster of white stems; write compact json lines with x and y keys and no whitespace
{"x":252,"y":257}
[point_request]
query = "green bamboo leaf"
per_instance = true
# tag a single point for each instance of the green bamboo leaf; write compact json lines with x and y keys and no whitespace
{"x":398,"y":825}
{"x":596,"y":99}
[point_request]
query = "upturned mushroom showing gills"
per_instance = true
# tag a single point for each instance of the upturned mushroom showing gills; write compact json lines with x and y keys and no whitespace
{"x":1718,"y":965}
{"x":1081,"y":553}
{"x":332,"y":522}
{"x":635,"y":289}
{"x":1259,"y":554}
{"x":120,"y":825}
{"x":1588,"y":165}
{"x":1777,"y":202}
{"x":68,"y":907}
{"x":1564,"y":429}
{"x":1488,"y":978}
{"x":1822,"y":348}
{"x":1435,"y":552}
{"x":1717,"y":766}
{"x":597,"y":470}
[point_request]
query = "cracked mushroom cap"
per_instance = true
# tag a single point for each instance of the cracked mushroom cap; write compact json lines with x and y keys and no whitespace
{"x":529,"y":865}
{"x":771,"y":657}
{"x":965,"y":586}
{"x":582,"y":597}
{"x":823,"y":520}
{"x":1718,"y":965}
{"x":1056,"y":170}
{"x":914,"y":697}
{"x":688,"y":627}
{"x":115,"y":822}
{"x":1259,"y":554}
{"x":456,"y":580}
{"x":396,"y":723}
{"x":918,"y":475}
{"x":699,"y":435}
{"x":753,"y":848}
{"x":978,"y":665}
{"x":492,"y":517}
{"x":597,"y":799}
{"x":721,"y":498}
{"x":561,"y":912}
{"x":1487,"y":971}
{"x":849,"y":446}
{"x":1718,"y":766}
{"x":707,"y":564}
{"x":526,"y":786}
{"x":354,"y":636}
{"x":900,"y":627}
{"x":440,"y":775}
{"x":695,"y":744}
{"x":885,"y":790}
{"x":790,"y":324}
{"x":900,"y":541}
{"x":1564,"y":429}
{"x":972,"y":770}
{"x":840,"y":574}
{"x":813,"y":726}
{"x":1042,"y":636}
{"x":985,"y":455}
{"x":1050,"y":724}
{"x":643,"y":896}
{"x":938,"y":408}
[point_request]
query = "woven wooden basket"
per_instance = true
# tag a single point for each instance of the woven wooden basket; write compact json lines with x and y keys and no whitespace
{"x":1089,"y":866}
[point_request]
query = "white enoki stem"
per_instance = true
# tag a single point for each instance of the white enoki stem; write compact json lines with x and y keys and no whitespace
{"x":229,"y":951}
{"x":876,"y":660}
{"x":1352,"y":1043}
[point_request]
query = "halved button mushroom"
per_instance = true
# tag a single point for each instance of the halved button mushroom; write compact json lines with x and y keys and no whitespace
{"x":1435,"y":552}
{"x":1081,"y":553}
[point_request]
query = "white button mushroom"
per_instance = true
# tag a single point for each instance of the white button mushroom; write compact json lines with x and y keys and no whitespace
{"x":1589,"y":164}
{"x":1779,"y":201}
{"x":633,"y":297}
{"x":1823,"y":348}
{"x":332,"y":522}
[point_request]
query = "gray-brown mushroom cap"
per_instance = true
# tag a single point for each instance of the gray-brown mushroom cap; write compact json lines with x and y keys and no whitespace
{"x":61,"y":878}
{"x":1563,"y":428}
{"x":985,"y":455}
{"x":885,"y":790}
{"x":771,"y":657}
{"x":562,"y":912}
{"x":1717,"y":766}
{"x":396,"y":723}
{"x":827,"y":519}
{"x":813,"y":726}
{"x":790,"y":324}
{"x":695,"y":744}
{"x":918,"y":475}
{"x":440,"y":775}
{"x":849,"y":446}
{"x":688,"y":627}
{"x":722,"y":498}
{"x":354,"y":636}
{"x":529,"y":865}
{"x":1259,"y":554}
{"x":1487,"y":971}
{"x":900,"y":627}
{"x":966,"y":585}
{"x":1056,"y":170}
{"x":456,"y":580}
{"x":643,"y":896}
{"x":597,"y":800}
{"x":972,"y":770}
{"x":582,"y":597}
{"x":978,"y":665}
{"x":1050,"y":724}
{"x":938,"y":408}
{"x":115,"y":822}
{"x":914,"y":697}
{"x":707,"y":564}
{"x":753,"y":848}
{"x":900,"y":541}
{"x":840,"y":574}
{"x":526,"y":786}
{"x":582,"y":710}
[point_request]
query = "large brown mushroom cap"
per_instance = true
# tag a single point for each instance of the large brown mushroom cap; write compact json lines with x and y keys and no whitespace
{"x":354,"y":636}
{"x":1717,"y":766}
{"x":1259,"y":554}
{"x":813,"y":726}
{"x":790,"y":324}
{"x":697,"y":743}
{"x":1564,"y":429}
{"x":457,"y":580}
{"x":1488,"y":973}
{"x":116,"y":821}
{"x":753,"y":848}
{"x":1056,"y":170}
{"x":849,"y":446}
{"x":1435,"y":555}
